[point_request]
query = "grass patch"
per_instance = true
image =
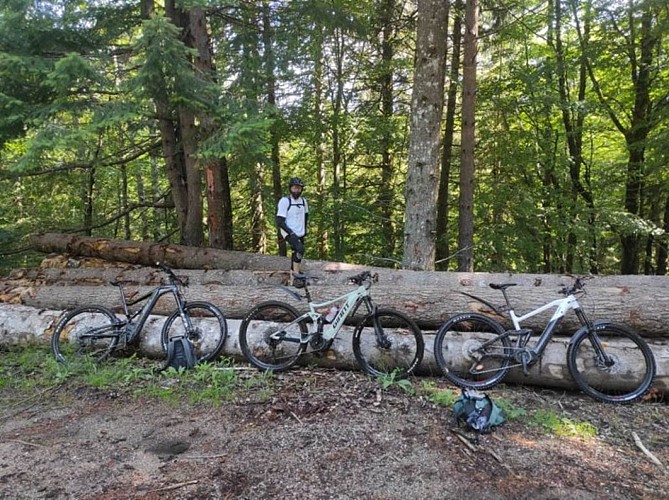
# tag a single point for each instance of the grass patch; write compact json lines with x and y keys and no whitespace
{"x":559,"y":426}
{"x":440,"y":397}
{"x":27,"y":370}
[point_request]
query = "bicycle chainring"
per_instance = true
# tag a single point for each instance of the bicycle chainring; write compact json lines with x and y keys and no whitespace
{"x":318,"y":343}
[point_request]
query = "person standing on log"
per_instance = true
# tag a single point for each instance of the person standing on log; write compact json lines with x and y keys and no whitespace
{"x":292,"y":216}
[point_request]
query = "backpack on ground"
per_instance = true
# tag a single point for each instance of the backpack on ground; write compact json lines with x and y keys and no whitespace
{"x":478,"y":411}
{"x":180,"y":354}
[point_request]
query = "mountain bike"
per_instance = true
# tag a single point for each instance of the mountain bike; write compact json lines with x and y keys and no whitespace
{"x":609,"y":362}
{"x":96,"y":332}
{"x":273,"y":335}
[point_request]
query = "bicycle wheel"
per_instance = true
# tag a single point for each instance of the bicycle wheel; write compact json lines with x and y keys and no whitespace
{"x":209,"y":329}
{"x":472,"y":351}
{"x":270,"y":338}
{"x":388,"y":342}
{"x":627,"y":375}
{"x":88,"y":332}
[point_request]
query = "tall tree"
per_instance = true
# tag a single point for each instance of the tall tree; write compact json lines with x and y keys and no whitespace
{"x":443,"y":205}
{"x":640,"y":38}
{"x":468,"y":141}
{"x":425,"y":139}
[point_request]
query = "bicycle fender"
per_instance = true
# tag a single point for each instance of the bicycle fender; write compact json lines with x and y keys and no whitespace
{"x":293,"y":294}
{"x":584,"y":329}
{"x":494,"y":308}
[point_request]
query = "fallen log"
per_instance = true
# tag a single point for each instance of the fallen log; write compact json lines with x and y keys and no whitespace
{"x":20,"y":323}
{"x":175,"y":256}
{"x":645,"y":309}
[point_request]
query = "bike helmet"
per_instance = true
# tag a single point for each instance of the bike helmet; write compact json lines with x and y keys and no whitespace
{"x":295,"y":181}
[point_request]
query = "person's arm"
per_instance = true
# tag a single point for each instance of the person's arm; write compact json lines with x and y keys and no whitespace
{"x":306,"y":217}
{"x":281,"y":222}
{"x":281,"y":212}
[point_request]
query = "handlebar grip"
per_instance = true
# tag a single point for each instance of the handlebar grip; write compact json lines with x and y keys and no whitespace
{"x":360,"y":277}
{"x":173,"y":277}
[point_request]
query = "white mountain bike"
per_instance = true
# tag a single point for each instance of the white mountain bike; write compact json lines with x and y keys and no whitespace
{"x":608,"y":362}
{"x":273,"y":335}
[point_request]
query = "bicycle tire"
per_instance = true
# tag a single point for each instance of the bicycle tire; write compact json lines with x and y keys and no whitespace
{"x":210,"y":329}
{"x":632,"y":374}
{"x":464,"y":346}
{"x":67,"y":343}
{"x":404,"y":352}
{"x":260,"y":323}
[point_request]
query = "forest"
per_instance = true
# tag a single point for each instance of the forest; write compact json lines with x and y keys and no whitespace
{"x":516,"y":136}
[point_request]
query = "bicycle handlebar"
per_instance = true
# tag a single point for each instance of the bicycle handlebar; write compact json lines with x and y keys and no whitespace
{"x":174,"y":279}
{"x":577,"y":286}
{"x":360,"y":278}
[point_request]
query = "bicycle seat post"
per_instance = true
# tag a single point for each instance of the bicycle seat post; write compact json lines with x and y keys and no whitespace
{"x":307,"y":295}
{"x":124,"y":301}
{"x":506,"y":298}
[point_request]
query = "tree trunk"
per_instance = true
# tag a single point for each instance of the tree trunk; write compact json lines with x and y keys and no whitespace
{"x":468,"y":141}
{"x":21,"y":323}
{"x":320,"y":147}
{"x":386,"y":198}
{"x":443,"y":205}
{"x":429,"y":298}
{"x":275,"y":158}
{"x":426,"y":110}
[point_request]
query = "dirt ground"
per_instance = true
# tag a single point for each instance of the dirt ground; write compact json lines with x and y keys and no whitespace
{"x":323,"y":435}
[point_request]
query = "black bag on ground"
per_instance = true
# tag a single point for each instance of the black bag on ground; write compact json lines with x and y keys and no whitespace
{"x":478,"y":411}
{"x":180,"y":354}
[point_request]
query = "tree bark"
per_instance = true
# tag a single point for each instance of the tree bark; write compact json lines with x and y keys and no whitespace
{"x":468,"y":140}
{"x":429,"y":298}
{"x":21,"y":323}
{"x":443,"y":205}
{"x":426,"y":110}
{"x":176,"y":256}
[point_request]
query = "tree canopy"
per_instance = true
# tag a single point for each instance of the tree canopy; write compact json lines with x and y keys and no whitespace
{"x":183,"y":120}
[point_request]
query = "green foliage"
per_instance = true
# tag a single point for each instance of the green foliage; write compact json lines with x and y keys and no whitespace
{"x":393,"y":380}
{"x":563,"y":426}
{"x":86,"y":86}
{"x":441,"y":397}
{"x":32,"y":369}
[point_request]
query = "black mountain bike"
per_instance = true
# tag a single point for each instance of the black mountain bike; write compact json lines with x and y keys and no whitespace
{"x":608,"y":362}
{"x":95,"y":332}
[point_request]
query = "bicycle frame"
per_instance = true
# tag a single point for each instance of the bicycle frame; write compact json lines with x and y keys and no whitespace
{"x":562,"y":306}
{"x":143,"y":314}
{"x":353,"y":299}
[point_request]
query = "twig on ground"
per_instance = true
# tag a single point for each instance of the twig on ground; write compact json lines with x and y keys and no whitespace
{"x":465,"y":440}
{"x":26,"y":443}
{"x":202,"y":457}
{"x":174,"y":486}
{"x":296,"y":417}
{"x":36,"y":398}
{"x":646,"y":451}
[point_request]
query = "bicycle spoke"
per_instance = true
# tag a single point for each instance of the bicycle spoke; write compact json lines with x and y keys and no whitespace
{"x":473,"y":351}
{"x":88,"y":332}
{"x":271,"y":338}
{"x":388,"y":342}
{"x":616,"y":366}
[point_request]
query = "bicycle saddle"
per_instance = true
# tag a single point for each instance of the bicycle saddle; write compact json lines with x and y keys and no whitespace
{"x":305,"y":277}
{"x":502,"y":286}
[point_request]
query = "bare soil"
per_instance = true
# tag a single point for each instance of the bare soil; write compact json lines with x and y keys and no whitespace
{"x":323,"y":435}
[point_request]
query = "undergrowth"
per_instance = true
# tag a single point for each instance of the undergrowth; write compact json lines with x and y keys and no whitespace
{"x":32,"y":369}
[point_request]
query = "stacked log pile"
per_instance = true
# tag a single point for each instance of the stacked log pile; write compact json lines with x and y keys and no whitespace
{"x":80,"y":272}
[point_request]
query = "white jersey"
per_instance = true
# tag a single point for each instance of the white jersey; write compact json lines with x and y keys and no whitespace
{"x":294,"y":210}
